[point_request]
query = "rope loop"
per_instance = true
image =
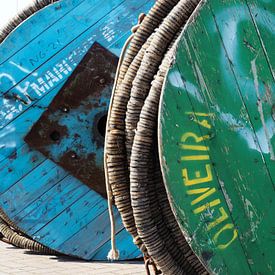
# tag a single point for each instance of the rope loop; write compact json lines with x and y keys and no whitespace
{"x":149,"y":262}
{"x":114,"y":253}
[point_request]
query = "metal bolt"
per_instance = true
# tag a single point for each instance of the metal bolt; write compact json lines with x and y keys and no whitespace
{"x":191,"y":117}
{"x":211,"y":135}
{"x":65,"y":109}
{"x":102,"y":81}
{"x":74,"y":156}
{"x":55,"y":135}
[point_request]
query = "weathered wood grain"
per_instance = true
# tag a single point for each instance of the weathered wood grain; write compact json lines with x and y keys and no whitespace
{"x":36,"y":59}
{"x":95,"y":233}
{"x":72,"y":219}
{"x":16,"y":42}
{"x":61,"y":196}
{"x":215,"y":114}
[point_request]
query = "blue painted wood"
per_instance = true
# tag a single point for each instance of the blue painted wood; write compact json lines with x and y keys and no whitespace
{"x":53,"y":39}
{"x":64,"y":60}
{"x":91,"y":205}
{"x":35,"y":183}
{"x":57,"y":199}
{"x":42,"y":20}
{"x":123,"y":240}
{"x":96,"y":232}
{"x":11,"y":136}
{"x":17,"y":166}
{"x":83,"y":29}
{"x":35,"y":60}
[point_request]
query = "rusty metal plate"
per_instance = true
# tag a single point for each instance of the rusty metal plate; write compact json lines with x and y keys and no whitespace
{"x":71,"y":131}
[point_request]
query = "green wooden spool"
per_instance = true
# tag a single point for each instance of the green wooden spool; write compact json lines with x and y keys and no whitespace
{"x":217,"y":135}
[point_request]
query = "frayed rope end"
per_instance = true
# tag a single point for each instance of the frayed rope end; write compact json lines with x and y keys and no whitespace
{"x":113,"y":255}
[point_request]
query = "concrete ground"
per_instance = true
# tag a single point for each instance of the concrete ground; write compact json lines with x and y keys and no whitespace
{"x":18,"y":262}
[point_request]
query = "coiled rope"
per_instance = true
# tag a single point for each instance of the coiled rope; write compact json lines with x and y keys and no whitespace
{"x":22,"y":16}
{"x":13,"y":235}
{"x":131,"y":159}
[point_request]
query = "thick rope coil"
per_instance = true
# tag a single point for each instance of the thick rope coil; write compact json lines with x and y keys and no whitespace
{"x":13,"y":235}
{"x":115,"y":153}
{"x":22,"y":16}
{"x":20,"y":241}
{"x":114,"y":253}
{"x":7,"y":220}
{"x":131,"y":152}
{"x":148,"y":263}
{"x":173,"y":261}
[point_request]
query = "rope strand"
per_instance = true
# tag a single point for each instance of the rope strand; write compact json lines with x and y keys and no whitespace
{"x":114,"y":253}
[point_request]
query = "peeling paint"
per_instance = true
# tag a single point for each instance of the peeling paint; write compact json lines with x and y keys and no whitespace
{"x":203,"y":84}
{"x":260,"y":108}
{"x":254,"y":218}
{"x":227,"y":198}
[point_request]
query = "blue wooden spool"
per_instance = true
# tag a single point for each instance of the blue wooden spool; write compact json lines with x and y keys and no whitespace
{"x":36,"y":60}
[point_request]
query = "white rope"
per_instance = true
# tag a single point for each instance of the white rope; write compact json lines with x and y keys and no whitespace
{"x":114,"y":252}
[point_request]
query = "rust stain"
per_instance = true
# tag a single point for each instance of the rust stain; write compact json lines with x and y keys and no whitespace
{"x":13,"y":155}
{"x":71,"y":131}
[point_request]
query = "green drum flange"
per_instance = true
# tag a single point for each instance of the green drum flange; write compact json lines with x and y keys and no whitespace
{"x":217,"y":135}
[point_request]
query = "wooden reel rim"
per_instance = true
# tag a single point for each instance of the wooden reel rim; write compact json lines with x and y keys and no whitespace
{"x":190,"y":146}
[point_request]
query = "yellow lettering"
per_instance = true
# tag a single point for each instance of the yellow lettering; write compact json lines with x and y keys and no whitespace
{"x":221,"y":219}
{"x":206,"y":206}
{"x":204,"y":196}
{"x":194,"y":147}
{"x":198,"y":179}
{"x":200,"y":114}
{"x":197,"y":191}
{"x":229,"y":226}
{"x":193,"y":136}
{"x":192,"y":158}
{"x":203,"y":123}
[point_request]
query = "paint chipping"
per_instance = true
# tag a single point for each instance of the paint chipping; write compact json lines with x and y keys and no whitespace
{"x":202,"y":83}
{"x":227,"y":198}
{"x":253,"y":217}
{"x":260,"y":108}
{"x":268,"y":94}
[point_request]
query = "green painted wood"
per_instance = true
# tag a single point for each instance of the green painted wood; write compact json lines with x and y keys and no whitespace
{"x":217,"y":136}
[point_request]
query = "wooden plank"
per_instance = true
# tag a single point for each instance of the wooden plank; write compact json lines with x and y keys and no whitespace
{"x":256,"y":85}
{"x":81,"y":28}
{"x":124,"y":242}
{"x":42,"y":20}
{"x":61,"y":196}
{"x":256,"y":77}
{"x":55,"y":38}
{"x":246,"y":176}
{"x":17,"y":165}
{"x":59,"y":67}
{"x":12,"y":136}
{"x":95,"y":234}
{"x":262,"y":14}
{"x":202,"y":240}
{"x":72,"y":220}
{"x":29,"y":188}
